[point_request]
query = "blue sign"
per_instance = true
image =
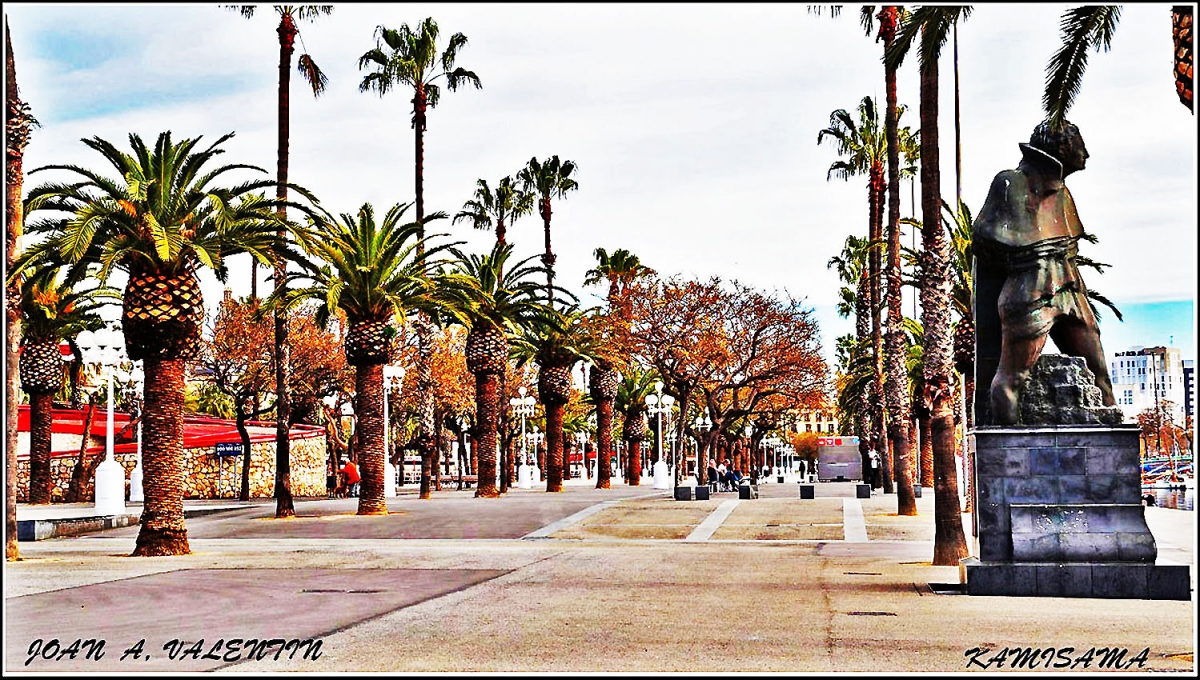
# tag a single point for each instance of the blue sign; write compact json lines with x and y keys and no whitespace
{"x":229,"y":449}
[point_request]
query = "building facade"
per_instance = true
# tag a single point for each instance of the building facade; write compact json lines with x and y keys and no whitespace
{"x":821,"y":421}
{"x":1146,"y":377}
{"x":1189,"y":389}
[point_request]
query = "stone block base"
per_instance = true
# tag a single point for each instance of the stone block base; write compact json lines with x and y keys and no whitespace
{"x":683,"y":493}
{"x":701,"y":493}
{"x":808,"y":491}
{"x":1109,"y":580}
{"x":862,"y":490}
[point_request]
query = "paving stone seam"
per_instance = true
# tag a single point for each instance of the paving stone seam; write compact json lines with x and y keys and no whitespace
{"x":853,"y":522}
{"x":709,"y":526}
{"x":569,"y":520}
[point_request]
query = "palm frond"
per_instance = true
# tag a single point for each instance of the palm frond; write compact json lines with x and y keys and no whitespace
{"x":1082,"y":28}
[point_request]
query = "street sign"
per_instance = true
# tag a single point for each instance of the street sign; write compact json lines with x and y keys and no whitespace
{"x":228,"y":449}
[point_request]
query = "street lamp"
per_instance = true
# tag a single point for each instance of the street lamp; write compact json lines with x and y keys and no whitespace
{"x":523,"y":406}
{"x":393,"y":375}
{"x":658,"y":404}
{"x":107,"y":348}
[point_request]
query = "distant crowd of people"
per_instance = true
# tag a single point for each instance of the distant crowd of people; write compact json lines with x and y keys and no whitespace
{"x":728,"y":478}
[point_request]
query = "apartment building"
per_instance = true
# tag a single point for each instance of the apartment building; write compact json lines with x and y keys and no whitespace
{"x":1145,"y":376}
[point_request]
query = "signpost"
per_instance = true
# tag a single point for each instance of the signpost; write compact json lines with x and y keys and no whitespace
{"x":222,"y":451}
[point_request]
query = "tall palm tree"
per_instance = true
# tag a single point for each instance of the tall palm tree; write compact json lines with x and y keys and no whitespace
{"x":17,"y":124}
{"x":934,"y":24}
{"x":548,"y":180}
{"x":1092,"y":27}
{"x":556,"y":340}
{"x":408,"y":58}
{"x":620,"y":269}
{"x":494,"y":301}
{"x":158,"y":222}
{"x":506,"y":204}
{"x":287,"y":31}
{"x":53,"y":308}
{"x":636,"y":384}
{"x":863,"y":147}
{"x":897,"y":392}
{"x":376,"y":274}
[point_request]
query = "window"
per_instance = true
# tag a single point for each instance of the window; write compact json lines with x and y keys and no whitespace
{"x":808,"y":427}
{"x":830,"y":428}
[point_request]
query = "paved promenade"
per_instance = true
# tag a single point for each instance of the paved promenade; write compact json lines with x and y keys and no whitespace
{"x":619,"y":580}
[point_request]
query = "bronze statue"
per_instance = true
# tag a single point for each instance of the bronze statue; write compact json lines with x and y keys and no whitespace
{"x":1025,"y":242}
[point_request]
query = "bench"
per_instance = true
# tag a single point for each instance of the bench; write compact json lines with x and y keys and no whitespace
{"x":452,"y":481}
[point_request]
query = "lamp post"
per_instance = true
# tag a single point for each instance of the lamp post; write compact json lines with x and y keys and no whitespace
{"x":393,"y":375}
{"x":106,"y":347}
{"x":581,"y":438}
{"x":702,"y":424}
{"x":523,"y":406}
{"x":658,"y":404}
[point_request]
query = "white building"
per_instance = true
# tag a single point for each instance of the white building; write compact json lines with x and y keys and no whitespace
{"x":1145,"y":376}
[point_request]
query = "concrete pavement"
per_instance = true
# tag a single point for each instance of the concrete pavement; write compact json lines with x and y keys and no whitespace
{"x":474,"y":588}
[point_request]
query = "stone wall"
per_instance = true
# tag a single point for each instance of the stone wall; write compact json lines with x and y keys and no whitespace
{"x":201,"y":472}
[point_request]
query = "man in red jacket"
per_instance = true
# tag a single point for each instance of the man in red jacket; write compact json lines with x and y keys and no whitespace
{"x":352,"y":479}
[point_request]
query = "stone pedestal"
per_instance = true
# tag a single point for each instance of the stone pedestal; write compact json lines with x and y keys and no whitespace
{"x":1058,"y":513}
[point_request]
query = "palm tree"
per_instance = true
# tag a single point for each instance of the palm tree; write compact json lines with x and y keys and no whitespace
{"x":635,"y":386}
{"x":287,"y":30}
{"x":488,"y":208}
{"x":17,"y":124}
{"x":934,"y":24}
{"x":864,"y":148}
{"x":556,"y":340}
{"x":548,"y":180}
{"x":1092,"y":27}
{"x":53,"y":308}
{"x":620,"y":269}
{"x":897,"y":392}
{"x":374,"y":273}
{"x":851,"y":266}
{"x":494,"y":208}
{"x":158,"y":222}
{"x":493,"y":301}
{"x":409,"y":58}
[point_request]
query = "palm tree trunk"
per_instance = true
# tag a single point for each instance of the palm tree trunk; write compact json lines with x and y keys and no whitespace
{"x":633,"y":464}
{"x":284,"y":507}
{"x":548,"y":258}
{"x":926,"y":449}
{"x":968,"y":425}
{"x":878,"y":415}
{"x":505,"y":457}
{"x":14,"y":178}
{"x":368,"y":428}
{"x":41,"y":423}
{"x":425,"y":401}
{"x":949,"y":542}
{"x":897,"y":371}
{"x":554,"y":446}
{"x":604,"y":413}
{"x":163,"y":530}
{"x":487,"y":404}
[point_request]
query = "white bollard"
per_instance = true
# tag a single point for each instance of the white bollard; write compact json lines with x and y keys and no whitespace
{"x":524,"y":478}
{"x":662,"y":477}
{"x":110,"y":488}
{"x":135,"y":484}
{"x":389,"y":479}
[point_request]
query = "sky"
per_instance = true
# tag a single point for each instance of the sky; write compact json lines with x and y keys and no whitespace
{"x":694,"y":128}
